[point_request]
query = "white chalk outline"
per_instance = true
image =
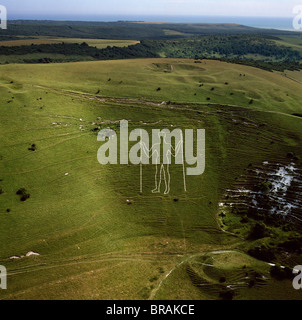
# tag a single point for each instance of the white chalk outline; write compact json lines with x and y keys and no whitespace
{"x":147,"y":151}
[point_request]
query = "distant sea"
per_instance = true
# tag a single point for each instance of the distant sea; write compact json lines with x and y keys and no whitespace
{"x":262,"y":22}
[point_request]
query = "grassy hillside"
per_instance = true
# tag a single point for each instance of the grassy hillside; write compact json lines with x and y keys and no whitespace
{"x":179,"y":80}
{"x":97,"y":236}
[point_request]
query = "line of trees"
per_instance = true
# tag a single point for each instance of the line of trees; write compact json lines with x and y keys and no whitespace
{"x":255,"y":50}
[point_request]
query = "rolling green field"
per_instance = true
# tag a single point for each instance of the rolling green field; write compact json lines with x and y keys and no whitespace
{"x":97,"y":235}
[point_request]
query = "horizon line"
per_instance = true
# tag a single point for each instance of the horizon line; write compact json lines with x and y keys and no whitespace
{"x":152,"y":15}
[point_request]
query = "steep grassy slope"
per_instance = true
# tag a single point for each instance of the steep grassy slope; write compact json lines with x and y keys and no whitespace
{"x":92,"y":243}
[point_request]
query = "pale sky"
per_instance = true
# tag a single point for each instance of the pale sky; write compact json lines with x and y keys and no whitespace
{"x":233,"y":8}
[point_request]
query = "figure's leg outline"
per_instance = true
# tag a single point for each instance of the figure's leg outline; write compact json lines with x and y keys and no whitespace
{"x":157,"y":187}
{"x":167,"y":180}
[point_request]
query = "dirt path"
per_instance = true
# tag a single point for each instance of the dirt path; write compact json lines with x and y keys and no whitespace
{"x":293,"y":79}
{"x":163,"y":104}
{"x":154,"y":292}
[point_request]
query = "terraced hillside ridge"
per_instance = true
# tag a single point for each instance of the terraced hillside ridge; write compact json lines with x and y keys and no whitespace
{"x":74,"y":229}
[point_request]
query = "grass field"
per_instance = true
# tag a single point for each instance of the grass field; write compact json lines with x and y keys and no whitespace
{"x":92,"y":243}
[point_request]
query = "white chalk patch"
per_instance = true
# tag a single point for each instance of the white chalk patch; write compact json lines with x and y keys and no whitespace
{"x":31,"y":253}
{"x":28,"y":254}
